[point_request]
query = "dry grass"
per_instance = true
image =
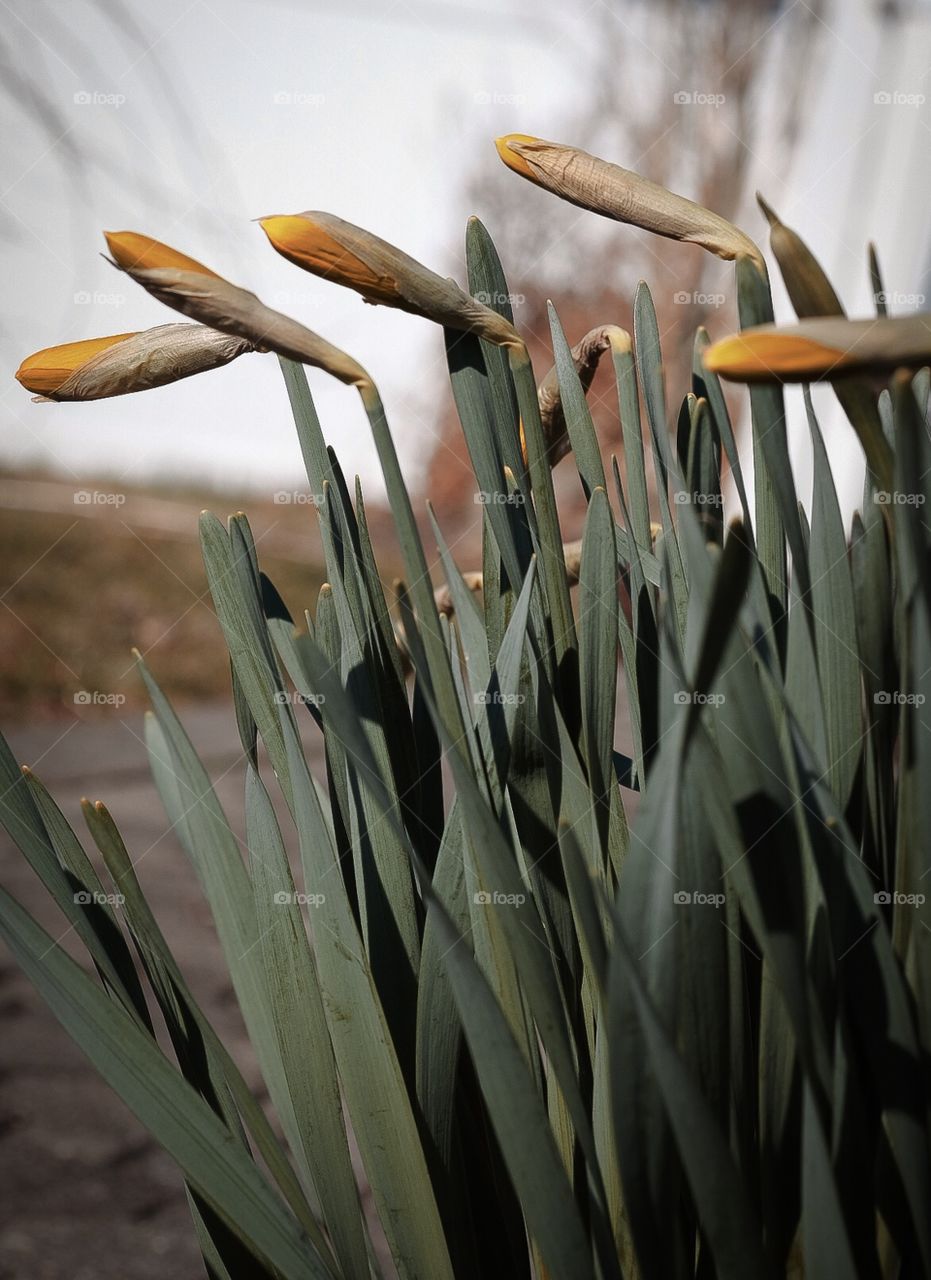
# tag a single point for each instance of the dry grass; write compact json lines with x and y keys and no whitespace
{"x":95,"y":579}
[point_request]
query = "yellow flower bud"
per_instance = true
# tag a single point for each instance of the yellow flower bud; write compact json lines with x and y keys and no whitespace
{"x":193,"y":289}
{"x":348,"y":255}
{"x":98,"y":368}
{"x":133,"y":252}
{"x":46,"y":370}
{"x":308,"y":244}
{"x":823,"y":348}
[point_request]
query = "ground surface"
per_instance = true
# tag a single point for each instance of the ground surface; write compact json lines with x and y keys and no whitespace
{"x":84,"y":1193}
{"x":88,"y":573}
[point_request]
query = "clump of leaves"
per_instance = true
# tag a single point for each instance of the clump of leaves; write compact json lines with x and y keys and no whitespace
{"x":583,"y":1013}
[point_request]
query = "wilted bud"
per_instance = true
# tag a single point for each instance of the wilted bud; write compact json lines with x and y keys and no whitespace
{"x":125,"y":362}
{"x":822,"y":349}
{"x":191,"y":288}
{"x":443,"y":596}
{"x":348,"y":255}
{"x":474,"y":579}
{"x":618,"y":193}
{"x":586,"y":355}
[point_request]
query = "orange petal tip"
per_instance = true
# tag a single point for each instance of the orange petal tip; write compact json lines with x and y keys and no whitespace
{"x":134,"y":252}
{"x":44,"y":371}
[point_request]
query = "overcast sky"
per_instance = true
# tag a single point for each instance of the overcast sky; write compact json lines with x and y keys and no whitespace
{"x":185,"y":120}
{"x":227,"y":112}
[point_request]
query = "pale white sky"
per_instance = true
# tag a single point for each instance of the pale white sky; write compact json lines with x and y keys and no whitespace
{"x":215,"y":113}
{"x":376,"y":112}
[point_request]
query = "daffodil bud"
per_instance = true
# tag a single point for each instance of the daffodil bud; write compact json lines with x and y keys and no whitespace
{"x":474,"y":579}
{"x":194,"y":290}
{"x":126,"y":362}
{"x":348,"y":255}
{"x":443,"y":596}
{"x":824,"y":348}
{"x":618,"y":193}
{"x":586,"y":355}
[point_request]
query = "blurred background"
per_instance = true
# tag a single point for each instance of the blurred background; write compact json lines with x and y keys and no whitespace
{"x":186,"y":120}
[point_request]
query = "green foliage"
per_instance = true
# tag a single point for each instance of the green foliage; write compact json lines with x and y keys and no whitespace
{"x":581,"y":1015}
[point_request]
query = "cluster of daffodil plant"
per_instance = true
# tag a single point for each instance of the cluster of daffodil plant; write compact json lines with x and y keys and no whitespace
{"x":582,"y":1013}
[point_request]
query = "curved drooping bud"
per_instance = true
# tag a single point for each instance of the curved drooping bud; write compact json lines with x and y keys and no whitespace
{"x":193,"y":289}
{"x":586,"y":355}
{"x":625,"y":196}
{"x":98,"y":368}
{"x":825,"y":348}
{"x":473,"y":579}
{"x":348,"y":255}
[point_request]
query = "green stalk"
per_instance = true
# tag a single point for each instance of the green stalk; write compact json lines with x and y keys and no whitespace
{"x":552,"y":564}
{"x":415,"y":561}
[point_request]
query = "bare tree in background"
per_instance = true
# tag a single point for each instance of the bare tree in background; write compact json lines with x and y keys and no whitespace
{"x":671,"y":89}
